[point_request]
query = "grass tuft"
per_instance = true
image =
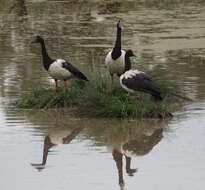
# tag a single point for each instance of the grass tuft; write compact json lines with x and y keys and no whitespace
{"x":91,"y":99}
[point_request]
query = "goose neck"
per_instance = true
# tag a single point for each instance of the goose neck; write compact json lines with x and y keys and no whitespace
{"x":46,"y":59}
{"x":127,"y":63}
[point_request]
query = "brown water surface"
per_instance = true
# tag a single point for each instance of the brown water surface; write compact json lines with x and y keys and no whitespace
{"x":53,"y":150}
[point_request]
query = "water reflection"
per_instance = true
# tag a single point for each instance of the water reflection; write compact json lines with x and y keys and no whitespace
{"x":169,"y":33}
{"x":56,"y":136}
{"x":128,"y":139}
{"x":135,"y":147}
{"x":19,"y":7}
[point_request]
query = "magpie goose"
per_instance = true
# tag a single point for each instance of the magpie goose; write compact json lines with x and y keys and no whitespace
{"x":115,"y":59}
{"x":134,"y":80}
{"x":58,"y":69}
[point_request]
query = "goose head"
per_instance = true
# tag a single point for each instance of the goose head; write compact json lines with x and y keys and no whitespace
{"x":130,"y":53}
{"x":38,"y":39}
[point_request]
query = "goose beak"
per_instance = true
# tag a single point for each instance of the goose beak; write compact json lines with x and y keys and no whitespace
{"x":33,"y":41}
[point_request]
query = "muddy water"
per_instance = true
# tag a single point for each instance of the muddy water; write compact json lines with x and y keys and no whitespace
{"x":56,"y":150}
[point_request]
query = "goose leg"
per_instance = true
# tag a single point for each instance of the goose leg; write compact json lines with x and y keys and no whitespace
{"x":129,"y":171}
{"x":65,"y":85}
{"x":110,"y":84}
{"x":117,"y":156}
{"x":56,"y":84}
{"x":47,"y":146}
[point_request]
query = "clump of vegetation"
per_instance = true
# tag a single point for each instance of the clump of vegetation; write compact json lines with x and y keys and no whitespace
{"x":49,"y":98}
{"x":92,"y":99}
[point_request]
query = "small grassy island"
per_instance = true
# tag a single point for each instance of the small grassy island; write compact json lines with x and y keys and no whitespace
{"x":91,"y":99}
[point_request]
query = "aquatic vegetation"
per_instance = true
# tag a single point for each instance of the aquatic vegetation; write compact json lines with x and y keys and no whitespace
{"x":91,"y":99}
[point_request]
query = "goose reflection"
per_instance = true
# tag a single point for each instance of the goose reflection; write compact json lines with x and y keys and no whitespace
{"x":126,"y":139}
{"x":56,"y":136}
{"x":132,"y":148}
{"x":19,"y":7}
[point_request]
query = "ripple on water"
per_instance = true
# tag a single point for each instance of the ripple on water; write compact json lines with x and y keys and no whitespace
{"x":83,"y":150}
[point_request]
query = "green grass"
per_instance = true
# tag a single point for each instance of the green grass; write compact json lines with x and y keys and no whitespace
{"x":91,"y":99}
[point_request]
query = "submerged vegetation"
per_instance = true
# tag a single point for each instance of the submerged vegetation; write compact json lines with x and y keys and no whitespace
{"x":91,"y":99}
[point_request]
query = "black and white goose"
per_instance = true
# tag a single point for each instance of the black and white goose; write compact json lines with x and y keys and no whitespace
{"x":58,"y":69}
{"x":134,"y":80}
{"x":115,"y":59}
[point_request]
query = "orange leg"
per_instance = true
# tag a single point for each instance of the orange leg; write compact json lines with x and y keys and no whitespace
{"x":129,"y":171}
{"x":56,"y":84}
{"x":117,"y":156}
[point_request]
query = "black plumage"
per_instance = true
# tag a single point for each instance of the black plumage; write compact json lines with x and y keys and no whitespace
{"x":58,"y":69}
{"x":134,"y":80}
{"x":115,"y":59}
{"x":74,"y":71}
{"x":138,"y":81}
{"x":116,"y":52}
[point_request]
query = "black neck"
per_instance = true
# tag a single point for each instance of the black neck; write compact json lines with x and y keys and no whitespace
{"x":127,"y":63}
{"x":46,"y":59}
{"x":116,"y":53}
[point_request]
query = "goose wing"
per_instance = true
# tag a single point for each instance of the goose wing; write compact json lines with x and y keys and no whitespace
{"x":140,"y":82}
{"x":74,"y":70}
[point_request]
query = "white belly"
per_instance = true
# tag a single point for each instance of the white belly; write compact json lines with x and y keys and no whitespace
{"x":130,"y":154}
{"x":57,"y":137}
{"x":115,"y":66}
{"x":56,"y":71}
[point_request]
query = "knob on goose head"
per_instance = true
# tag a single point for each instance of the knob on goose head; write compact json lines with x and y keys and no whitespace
{"x":119,"y":24}
{"x":37,"y":39}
